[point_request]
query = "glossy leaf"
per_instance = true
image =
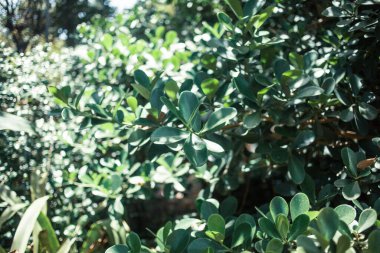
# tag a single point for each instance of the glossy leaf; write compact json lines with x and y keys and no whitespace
{"x":168,"y":135}
{"x":366,"y":219}
{"x":219,"y":119}
{"x":299,"y":204}
{"x":328,"y":223}
{"x":278,"y":206}
{"x":296,"y":169}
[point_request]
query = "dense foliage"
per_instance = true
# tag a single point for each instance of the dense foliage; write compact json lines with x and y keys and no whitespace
{"x":251,"y":125}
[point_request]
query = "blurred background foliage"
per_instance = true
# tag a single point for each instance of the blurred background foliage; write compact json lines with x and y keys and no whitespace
{"x":300,"y":81}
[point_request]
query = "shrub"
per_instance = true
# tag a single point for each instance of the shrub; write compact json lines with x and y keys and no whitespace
{"x":274,"y":92}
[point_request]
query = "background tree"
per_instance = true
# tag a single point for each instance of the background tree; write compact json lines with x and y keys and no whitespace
{"x":27,"y":19}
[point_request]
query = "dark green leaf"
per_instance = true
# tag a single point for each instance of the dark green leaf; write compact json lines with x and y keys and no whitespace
{"x":278,"y":206}
{"x":235,"y":6}
{"x":134,"y":243}
{"x":118,"y":249}
{"x":177,"y":241}
{"x":296,"y":168}
{"x":252,"y":120}
{"x":168,"y":135}
{"x":351,"y":191}
{"x":268,"y":227}
{"x":350,"y":160}
{"x":299,"y":204}
{"x":219,"y":119}
{"x":308,"y":91}
{"x":282,"y":225}
{"x":252,"y":7}
{"x":367,"y":111}
{"x":328,"y":223}
{"x":304,"y":138}
{"x":195,"y":150}
{"x":274,"y":246}
{"x":299,"y":226}
{"x":142,"y":79}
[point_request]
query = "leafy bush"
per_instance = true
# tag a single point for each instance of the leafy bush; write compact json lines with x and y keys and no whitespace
{"x":273,"y":102}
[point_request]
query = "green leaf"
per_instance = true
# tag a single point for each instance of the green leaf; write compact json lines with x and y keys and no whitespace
{"x":228,"y":206}
{"x":219,"y":119}
{"x":296,"y":168}
{"x":280,"y":66}
{"x":308,"y":91}
{"x":244,"y":87}
{"x":15,"y":123}
{"x":252,"y":7}
{"x":299,"y":204}
{"x":107,"y":41}
{"x":328,"y":223}
{"x":142,"y":79}
{"x":274,"y":246}
{"x":309,"y":59}
{"x":367,"y":111}
{"x":178,"y":240}
{"x":172,"y":108}
{"x":188,"y":106}
{"x":51,"y":241}
{"x":373,"y":242}
{"x":296,"y":60}
{"x":118,"y":249}
{"x":132,"y":103}
{"x":351,"y":191}
{"x":133,"y":242}
{"x":61,"y":95}
{"x":304,"y":138}
{"x":216,"y":227}
{"x":278,"y":206}
{"x":246,"y":218}
{"x":346,"y":213}
{"x":235,"y":6}
{"x":215,"y":222}
{"x":299,"y":226}
{"x":210,"y":87}
{"x":282,"y":225}
{"x":307,"y":244}
{"x":171,"y":89}
{"x":225,"y":20}
{"x":201,"y":245}
{"x":366,"y":219}
{"x":346,"y":115}
{"x":328,"y":85}
{"x":26,"y":225}
{"x":143,"y":91}
{"x":242,"y":234}
{"x":356,"y":84}
{"x":258,"y":20}
{"x":195,"y":150}
{"x":207,"y":209}
{"x":168,"y":135}
{"x":252,"y":120}
{"x":335,"y":12}
{"x":350,"y":160}
{"x":268,"y":227}
{"x":344,"y":243}
{"x":213,"y":146}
